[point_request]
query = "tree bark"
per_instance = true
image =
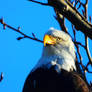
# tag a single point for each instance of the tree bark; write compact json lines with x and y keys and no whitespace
{"x":65,"y":8}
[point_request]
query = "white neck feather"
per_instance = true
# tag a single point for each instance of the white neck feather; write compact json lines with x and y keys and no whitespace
{"x":62,"y":58}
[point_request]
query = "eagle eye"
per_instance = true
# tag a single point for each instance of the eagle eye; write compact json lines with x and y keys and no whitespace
{"x":58,"y":39}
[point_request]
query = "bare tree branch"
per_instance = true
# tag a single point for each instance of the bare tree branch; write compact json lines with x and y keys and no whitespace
{"x":86,"y":37}
{"x":1,"y":76}
{"x":39,"y":2}
{"x":60,"y":18}
{"x":18,"y":30}
{"x":87,"y":50}
{"x":65,"y":8}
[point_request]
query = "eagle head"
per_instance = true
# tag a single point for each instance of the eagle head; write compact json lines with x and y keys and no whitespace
{"x":58,"y":50}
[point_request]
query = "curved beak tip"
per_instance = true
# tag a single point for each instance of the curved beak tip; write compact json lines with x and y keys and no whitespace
{"x":48,"y":39}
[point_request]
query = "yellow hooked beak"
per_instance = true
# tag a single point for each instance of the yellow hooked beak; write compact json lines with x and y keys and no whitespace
{"x":48,"y":39}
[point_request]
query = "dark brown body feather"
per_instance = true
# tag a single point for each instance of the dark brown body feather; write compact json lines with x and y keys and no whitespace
{"x":48,"y":80}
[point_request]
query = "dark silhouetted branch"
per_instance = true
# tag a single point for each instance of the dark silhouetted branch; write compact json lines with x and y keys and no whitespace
{"x":65,"y":8}
{"x":18,"y":30}
{"x":61,"y":20}
{"x":39,"y":2}
{"x":1,"y":76}
{"x":68,"y":11}
{"x":87,"y":50}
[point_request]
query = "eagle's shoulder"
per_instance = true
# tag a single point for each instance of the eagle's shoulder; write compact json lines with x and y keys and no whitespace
{"x":49,"y":80}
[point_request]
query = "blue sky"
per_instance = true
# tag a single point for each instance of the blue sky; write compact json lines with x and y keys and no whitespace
{"x":17,"y":58}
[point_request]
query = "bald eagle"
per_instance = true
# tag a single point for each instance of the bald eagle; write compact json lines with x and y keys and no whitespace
{"x":56,"y":70}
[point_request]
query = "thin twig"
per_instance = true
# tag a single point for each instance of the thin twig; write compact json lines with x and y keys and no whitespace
{"x":78,"y":43}
{"x":87,"y":50}
{"x":18,"y":30}
{"x":39,"y":2}
{"x":61,"y":20}
{"x":85,"y":8}
{"x":80,"y":70}
{"x":1,"y":76}
{"x":86,"y":37}
{"x":90,"y":19}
